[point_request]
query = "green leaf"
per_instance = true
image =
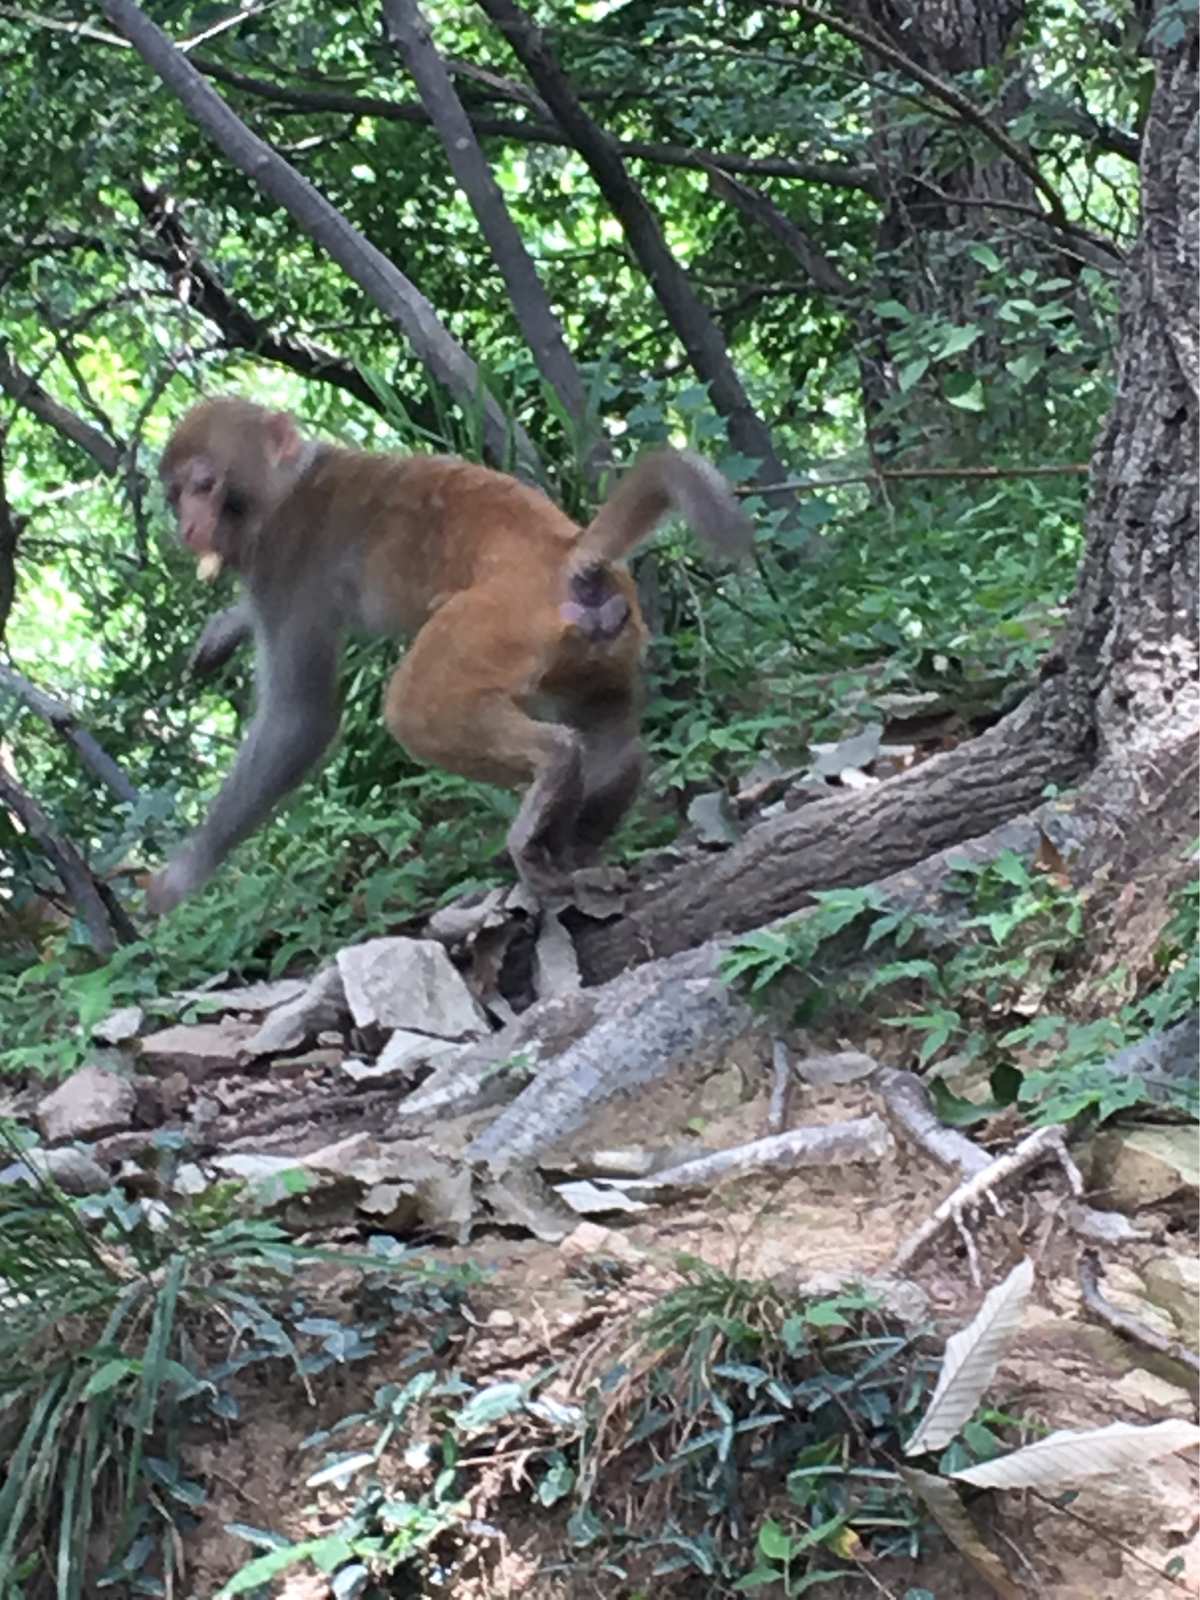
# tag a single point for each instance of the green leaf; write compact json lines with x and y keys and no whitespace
{"x":957,"y":340}
{"x":1025,"y":367}
{"x":970,"y":399}
{"x":108,"y":1376}
{"x":263,"y":1568}
{"x":986,"y":257}
{"x":956,"y":1112}
{"x":912,"y":372}
{"x":774,"y":1543}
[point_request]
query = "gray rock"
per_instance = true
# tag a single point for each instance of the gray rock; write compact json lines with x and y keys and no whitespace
{"x":72,"y":1169}
{"x":1173,"y":1282}
{"x":406,"y":1050}
{"x":322,"y":1005}
{"x":91,"y":1102}
{"x":408,"y":983}
{"x":1144,"y":1163}
{"x":119,"y":1025}
{"x":249,"y":997}
{"x":841,"y":1066}
{"x":197,"y":1049}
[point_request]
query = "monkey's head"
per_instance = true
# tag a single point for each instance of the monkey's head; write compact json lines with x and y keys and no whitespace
{"x":227,"y":466}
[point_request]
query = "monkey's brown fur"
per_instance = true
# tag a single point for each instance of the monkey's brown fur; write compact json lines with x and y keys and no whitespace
{"x":524,"y":666}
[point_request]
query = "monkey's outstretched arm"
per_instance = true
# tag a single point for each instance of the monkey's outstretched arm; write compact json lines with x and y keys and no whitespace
{"x":295,"y":720}
{"x":223,"y":634}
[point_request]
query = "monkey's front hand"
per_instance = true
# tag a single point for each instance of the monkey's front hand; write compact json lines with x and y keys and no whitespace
{"x":168,"y":888}
{"x":221,"y":637}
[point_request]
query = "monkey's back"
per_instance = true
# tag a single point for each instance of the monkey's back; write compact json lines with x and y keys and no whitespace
{"x":422,"y":528}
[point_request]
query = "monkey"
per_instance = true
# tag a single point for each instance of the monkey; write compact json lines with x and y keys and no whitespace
{"x":524,"y":667}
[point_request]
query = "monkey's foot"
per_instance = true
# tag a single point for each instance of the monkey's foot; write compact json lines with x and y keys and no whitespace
{"x":599,"y":891}
{"x":595,"y":891}
{"x":546,"y":878}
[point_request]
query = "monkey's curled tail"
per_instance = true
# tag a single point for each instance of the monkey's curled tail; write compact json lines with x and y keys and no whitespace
{"x":668,"y":480}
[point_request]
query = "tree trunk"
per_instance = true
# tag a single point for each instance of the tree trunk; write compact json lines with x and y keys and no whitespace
{"x":1117,"y":696}
{"x":383,"y":282}
{"x":690,"y":319}
{"x":935,"y":197}
{"x":531,"y":305}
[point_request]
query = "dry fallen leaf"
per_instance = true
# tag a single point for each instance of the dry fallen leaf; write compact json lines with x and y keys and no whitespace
{"x":1067,"y":1456}
{"x":970,"y":1361}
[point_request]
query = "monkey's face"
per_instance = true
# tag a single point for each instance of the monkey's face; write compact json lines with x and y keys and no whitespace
{"x":227,"y":466}
{"x":197,"y":492}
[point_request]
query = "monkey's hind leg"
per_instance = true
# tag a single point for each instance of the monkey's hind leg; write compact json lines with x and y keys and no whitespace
{"x":453,"y":702}
{"x":613,"y":762}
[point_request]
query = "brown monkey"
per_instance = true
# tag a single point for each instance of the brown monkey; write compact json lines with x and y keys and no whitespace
{"x":527,"y":638}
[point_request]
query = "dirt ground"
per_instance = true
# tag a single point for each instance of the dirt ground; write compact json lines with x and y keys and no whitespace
{"x":551,"y":1303}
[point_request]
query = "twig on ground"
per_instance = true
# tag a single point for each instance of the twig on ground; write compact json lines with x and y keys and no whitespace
{"x":1123,"y":1322}
{"x":1029,"y":1153}
{"x":907,"y":1104}
{"x":781,"y":1084}
{"x":862,"y":1139}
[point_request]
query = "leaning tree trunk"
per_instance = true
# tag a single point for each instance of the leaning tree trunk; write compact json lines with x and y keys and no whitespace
{"x":1119,"y":695}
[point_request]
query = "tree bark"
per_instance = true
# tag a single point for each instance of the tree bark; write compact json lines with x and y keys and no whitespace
{"x":1118,"y":697}
{"x":9,"y":534}
{"x":384,"y":284}
{"x":66,"y":725}
{"x":531,"y":305}
{"x":694,"y":327}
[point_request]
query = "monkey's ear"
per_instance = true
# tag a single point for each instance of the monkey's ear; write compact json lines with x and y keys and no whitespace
{"x":283,"y":438}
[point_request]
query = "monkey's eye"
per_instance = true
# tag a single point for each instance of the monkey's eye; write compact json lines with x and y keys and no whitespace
{"x":235,"y":504}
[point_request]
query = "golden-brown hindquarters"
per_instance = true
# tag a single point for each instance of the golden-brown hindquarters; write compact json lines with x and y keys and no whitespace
{"x":464,"y":699}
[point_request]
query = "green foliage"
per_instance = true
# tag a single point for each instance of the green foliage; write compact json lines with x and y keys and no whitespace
{"x":1018,"y":926}
{"x":738,"y":1402}
{"x":734,"y":1400}
{"x":122,"y":1322}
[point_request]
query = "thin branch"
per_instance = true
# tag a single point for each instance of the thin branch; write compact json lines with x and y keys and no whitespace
{"x":902,"y":474}
{"x":66,"y":724}
{"x":28,"y":392}
{"x":198,"y":284}
{"x":540,"y":326}
{"x":106,"y":921}
{"x":1105,"y":247}
{"x":943,"y":91}
{"x":755,"y":206}
{"x":689,"y":317}
{"x":383,"y":282}
{"x":838,"y":175}
{"x":10,"y":532}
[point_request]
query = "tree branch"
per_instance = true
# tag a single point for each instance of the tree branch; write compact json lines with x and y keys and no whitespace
{"x":106,"y":921}
{"x":28,"y":392}
{"x":66,"y":724}
{"x":1066,"y":469}
{"x":180,"y":259}
{"x":837,"y":175}
{"x":959,"y":103}
{"x":10,"y":532}
{"x":384,"y":284}
{"x":758,"y":209}
{"x":691,"y":321}
{"x":540,"y":326}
